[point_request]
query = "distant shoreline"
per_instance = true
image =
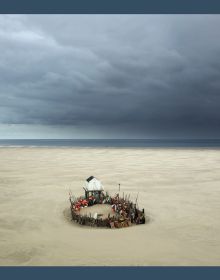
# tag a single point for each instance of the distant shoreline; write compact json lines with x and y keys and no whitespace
{"x":110,"y":148}
{"x":111,"y":143}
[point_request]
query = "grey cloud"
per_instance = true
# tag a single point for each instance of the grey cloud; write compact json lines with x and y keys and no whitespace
{"x":150,"y":74}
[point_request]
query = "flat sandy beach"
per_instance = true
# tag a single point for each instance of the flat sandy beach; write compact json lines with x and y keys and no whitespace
{"x":179,"y":189}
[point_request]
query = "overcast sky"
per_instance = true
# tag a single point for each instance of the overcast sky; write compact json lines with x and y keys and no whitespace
{"x":109,"y":76}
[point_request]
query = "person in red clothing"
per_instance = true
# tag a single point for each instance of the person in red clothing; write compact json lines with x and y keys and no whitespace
{"x":84,"y":203}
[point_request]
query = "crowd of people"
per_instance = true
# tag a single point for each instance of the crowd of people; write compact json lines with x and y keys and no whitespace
{"x":95,"y":198}
{"x":128,"y":210}
{"x":124,"y":211}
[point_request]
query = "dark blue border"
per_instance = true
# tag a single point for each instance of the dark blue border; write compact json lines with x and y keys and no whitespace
{"x":110,"y":6}
{"x":171,"y":273}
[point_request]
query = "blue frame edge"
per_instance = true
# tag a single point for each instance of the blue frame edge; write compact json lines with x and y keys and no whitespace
{"x":110,"y":6}
{"x":180,"y":273}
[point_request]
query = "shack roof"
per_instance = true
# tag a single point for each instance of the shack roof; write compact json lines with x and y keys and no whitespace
{"x":92,"y":184}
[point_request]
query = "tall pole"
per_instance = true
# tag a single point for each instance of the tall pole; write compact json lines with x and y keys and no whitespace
{"x":136,"y":198}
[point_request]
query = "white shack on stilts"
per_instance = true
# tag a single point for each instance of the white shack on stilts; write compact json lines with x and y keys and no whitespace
{"x":93,"y":187}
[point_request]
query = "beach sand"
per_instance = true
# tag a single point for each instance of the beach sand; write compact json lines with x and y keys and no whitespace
{"x":104,"y":210}
{"x":179,"y":189}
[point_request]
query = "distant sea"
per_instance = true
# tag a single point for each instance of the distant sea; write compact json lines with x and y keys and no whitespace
{"x":114,"y":143}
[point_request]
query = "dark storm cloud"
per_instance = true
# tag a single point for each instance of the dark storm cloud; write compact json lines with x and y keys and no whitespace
{"x":158,"y":75}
